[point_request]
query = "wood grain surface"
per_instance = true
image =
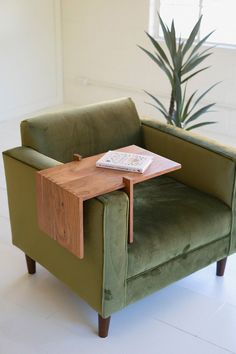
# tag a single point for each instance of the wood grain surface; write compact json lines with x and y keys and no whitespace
{"x":61,"y":191}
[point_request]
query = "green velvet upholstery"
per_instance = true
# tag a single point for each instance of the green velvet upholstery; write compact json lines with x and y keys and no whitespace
{"x":100,"y":127}
{"x":172,"y":219}
{"x":215,"y":163}
{"x":206,"y":165}
{"x":182,"y":222}
{"x":156,"y":278}
{"x":97,"y":279}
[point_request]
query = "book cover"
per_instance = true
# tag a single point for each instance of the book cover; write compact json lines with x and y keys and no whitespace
{"x":125,"y":161}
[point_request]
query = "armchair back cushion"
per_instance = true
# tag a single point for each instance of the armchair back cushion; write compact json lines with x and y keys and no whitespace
{"x":87,"y":130}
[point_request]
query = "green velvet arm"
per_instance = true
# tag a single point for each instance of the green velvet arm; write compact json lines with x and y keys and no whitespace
{"x":191,"y":137}
{"x":31,"y":157}
{"x":99,"y":278}
{"x":206,"y":165}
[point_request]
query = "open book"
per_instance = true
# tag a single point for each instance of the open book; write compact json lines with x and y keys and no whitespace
{"x":125,"y":161}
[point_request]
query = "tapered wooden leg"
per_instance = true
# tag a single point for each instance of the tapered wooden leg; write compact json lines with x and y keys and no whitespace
{"x":103,"y":326}
{"x":31,"y":266}
{"x":220,"y":267}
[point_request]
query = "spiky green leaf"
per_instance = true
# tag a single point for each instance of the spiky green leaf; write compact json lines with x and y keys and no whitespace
{"x":159,"y":63}
{"x":200,"y":43}
{"x":200,"y":112}
{"x":158,"y":48}
{"x":157,"y":101}
{"x":180,"y":45}
{"x":160,"y":110}
{"x":193,"y":63}
{"x":203,"y":95}
{"x":182,"y":105}
{"x":192,"y":36}
{"x":199,"y":125}
{"x":193,"y":74}
{"x":207,"y":50}
{"x":178,"y":99}
{"x":167,"y":37}
{"x":173,"y":37}
{"x":186,"y":109}
{"x":176,"y":120}
{"x":196,"y":55}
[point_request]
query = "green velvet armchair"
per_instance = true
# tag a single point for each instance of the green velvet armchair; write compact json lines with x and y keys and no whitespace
{"x":183,"y":221}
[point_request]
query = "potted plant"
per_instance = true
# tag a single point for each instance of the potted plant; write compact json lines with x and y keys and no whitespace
{"x":180,"y":64}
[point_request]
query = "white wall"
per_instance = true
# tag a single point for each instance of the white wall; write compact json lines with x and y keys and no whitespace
{"x":101,"y":58}
{"x":102,"y":61}
{"x":30,"y":56}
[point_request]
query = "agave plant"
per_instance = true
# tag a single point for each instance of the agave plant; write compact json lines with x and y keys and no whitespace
{"x":179,"y":63}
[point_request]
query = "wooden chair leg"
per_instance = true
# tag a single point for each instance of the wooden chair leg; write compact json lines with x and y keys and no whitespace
{"x":220,"y":267}
{"x":103,"y":326}
{"x":31,"y":266}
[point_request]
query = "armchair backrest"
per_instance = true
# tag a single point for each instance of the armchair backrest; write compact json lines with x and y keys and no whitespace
{"x":88,"y":130}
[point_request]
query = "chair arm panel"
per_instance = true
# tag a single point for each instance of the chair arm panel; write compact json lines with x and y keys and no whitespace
{"x":99,"y":278}
{"x":206,"y":165}
{"x":115,"y":238}
{"x":31,"y":157}
{"x":191,"y":137}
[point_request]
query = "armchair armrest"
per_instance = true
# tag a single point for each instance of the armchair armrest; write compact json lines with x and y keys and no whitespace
{"x":206,"y":164}
{"x":31,"y":157}
{"x":99,"y":278}
{"x":193,"y":138}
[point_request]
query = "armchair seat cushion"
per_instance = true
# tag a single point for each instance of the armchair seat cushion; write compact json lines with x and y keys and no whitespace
{"x":171,"y":219}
